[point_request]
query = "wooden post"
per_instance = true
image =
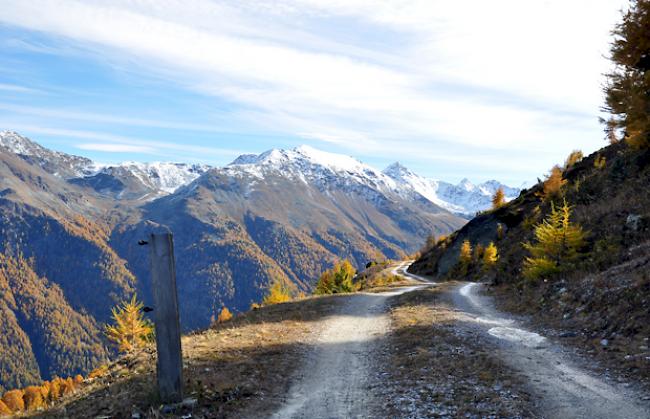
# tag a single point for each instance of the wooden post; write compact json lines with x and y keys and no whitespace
{"x":168,"y":332}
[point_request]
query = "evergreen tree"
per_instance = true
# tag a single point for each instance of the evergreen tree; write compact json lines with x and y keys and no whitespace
{"x":131,"y":330}
{"x":499,"y":198}
{"x":628,"y":87}
{"x":557,"y":244}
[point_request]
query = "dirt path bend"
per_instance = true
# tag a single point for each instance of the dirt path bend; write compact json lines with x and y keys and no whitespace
{"x":564,"y":388}
{"x":334,"y":379}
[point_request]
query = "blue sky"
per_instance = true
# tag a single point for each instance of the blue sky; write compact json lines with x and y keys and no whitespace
{"x":501,"y":89}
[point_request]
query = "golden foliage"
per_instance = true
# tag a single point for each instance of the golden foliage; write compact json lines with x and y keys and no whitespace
{"x":33,"y":398}
{"x":490,"y":256}
{"x":558,"y":242}
{"x":553,"y":183}
{"x":14,"y":400}
{"x":78,"y":379}
{"x":574,"y":157}
{"x":4,"y":410}
{"x":337,"y":280}
{"x":131,"y":330}
{"x":499,"y":198}
{"x":278,"y":293}
{"x":98,"y":372}
{"x":600,"y":162}
{"x":465,"y":255}
{"x":224,"y":315}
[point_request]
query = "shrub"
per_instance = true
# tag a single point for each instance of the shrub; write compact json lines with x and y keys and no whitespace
{"x":278,"y":293}
{"x":498,"y":199}
{"x":558,"y":242}
{"x":336,"y":280}
{"x":224,"y":315}
{"x":13,"y":399}
{"x":131,"y":330}
{"x":78,"y":379}
{"x":600,"y":162}
{"x":4,"y":410}
{"x":33,"y":398}
{"x":572,"y":159}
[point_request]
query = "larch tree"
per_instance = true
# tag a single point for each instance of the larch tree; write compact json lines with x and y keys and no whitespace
{"x":465,"y":255}
{"x":498,"y":199}
{"x":557,"y":245}
{"x":628,"y":85}
{"x":553,"y":183}
{"x":131,"y":330}
{"x":490,"y":256}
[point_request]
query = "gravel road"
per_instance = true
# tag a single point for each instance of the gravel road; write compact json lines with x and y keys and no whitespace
{"x":335,"y":378}
{"x":555,"y":375}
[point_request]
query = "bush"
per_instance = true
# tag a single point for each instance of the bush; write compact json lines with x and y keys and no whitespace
{"x":278,"y":293}
{"x":224,"y":315}
{"x":600,"y":162}
{"x":33,"y":398}
{"x":13,"y":399}
{"x":78,"y":379}
{"x":336,"y":280}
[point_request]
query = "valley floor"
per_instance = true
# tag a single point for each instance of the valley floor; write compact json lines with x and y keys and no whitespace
{"x":416,"y":350}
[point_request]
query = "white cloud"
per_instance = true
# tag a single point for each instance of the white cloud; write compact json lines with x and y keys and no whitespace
{"x":115,"y":148}
{"x":366,"y":75}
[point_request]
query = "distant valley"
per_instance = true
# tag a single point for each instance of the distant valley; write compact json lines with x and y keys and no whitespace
{"x":70,"y":229}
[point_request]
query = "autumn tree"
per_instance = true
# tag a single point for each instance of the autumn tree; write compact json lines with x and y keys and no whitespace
{"x":628,"y":85}
{"x":224,"y":315}
{"x":553,"y":183}
{"x":337,"y":280}
{"x":557,"y":244}
{"x":131,"y":330}
{"x":490,"y":256}
{"x":498,"y":199}
{"x":572,"y":159}
{"x":278,"y":293}
{"x":465,"y":255}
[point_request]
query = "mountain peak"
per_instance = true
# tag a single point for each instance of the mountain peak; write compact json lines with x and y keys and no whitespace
{"x":396,"y":168}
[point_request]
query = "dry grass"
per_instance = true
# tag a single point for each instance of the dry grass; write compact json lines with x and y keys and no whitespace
{"x":235,"y":369}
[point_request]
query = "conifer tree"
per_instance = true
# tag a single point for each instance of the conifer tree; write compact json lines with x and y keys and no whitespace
{"x":628,"y":87}
{"x":554,"y":183}
{"x":131,"y":330}
{"x":465,"y":256}
{"x":278,"y":293}
{"x":337,"y":280}
{"x":498,"y":199}
{"x":557,"y":244}
{"x":490,"y":256}
{"x":573,"y":158}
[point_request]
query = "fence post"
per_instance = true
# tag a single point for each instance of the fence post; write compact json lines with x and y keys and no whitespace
{"x":168,"y":334}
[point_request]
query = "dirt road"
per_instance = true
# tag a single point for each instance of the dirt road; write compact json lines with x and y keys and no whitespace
{"x":558,"y":379}
{"x":334,"y":379}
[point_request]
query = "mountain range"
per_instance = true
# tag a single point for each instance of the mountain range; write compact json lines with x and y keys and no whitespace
{"x":70,"y":229}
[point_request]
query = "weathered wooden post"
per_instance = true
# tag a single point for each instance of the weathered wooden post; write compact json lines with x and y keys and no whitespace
{"x":168,"y":332}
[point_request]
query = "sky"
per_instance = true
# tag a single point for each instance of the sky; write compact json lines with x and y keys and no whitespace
{"x":499,"y":89}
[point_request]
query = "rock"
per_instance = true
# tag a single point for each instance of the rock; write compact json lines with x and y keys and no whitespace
{"x":566,"y":316}
{"x":632,"y":222}
{"x":135,"y":415}
{"x":604,"y":342}
{"x":189,"y":402}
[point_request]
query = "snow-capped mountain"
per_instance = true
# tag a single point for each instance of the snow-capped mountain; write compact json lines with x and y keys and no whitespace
{"x":128,"y":180}
{"x":465,"y":198}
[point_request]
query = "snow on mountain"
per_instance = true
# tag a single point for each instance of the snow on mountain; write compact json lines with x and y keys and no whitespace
{"x":464,"y":198}
{"x":166,"y":177}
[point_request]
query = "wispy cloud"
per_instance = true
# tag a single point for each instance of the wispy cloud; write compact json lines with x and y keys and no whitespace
{"x":368,"y":76}
{"x":19,"y":89}
{"x":115,"y":148}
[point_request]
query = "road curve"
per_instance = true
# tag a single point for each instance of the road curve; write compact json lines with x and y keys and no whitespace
{"x":564,"y":389}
